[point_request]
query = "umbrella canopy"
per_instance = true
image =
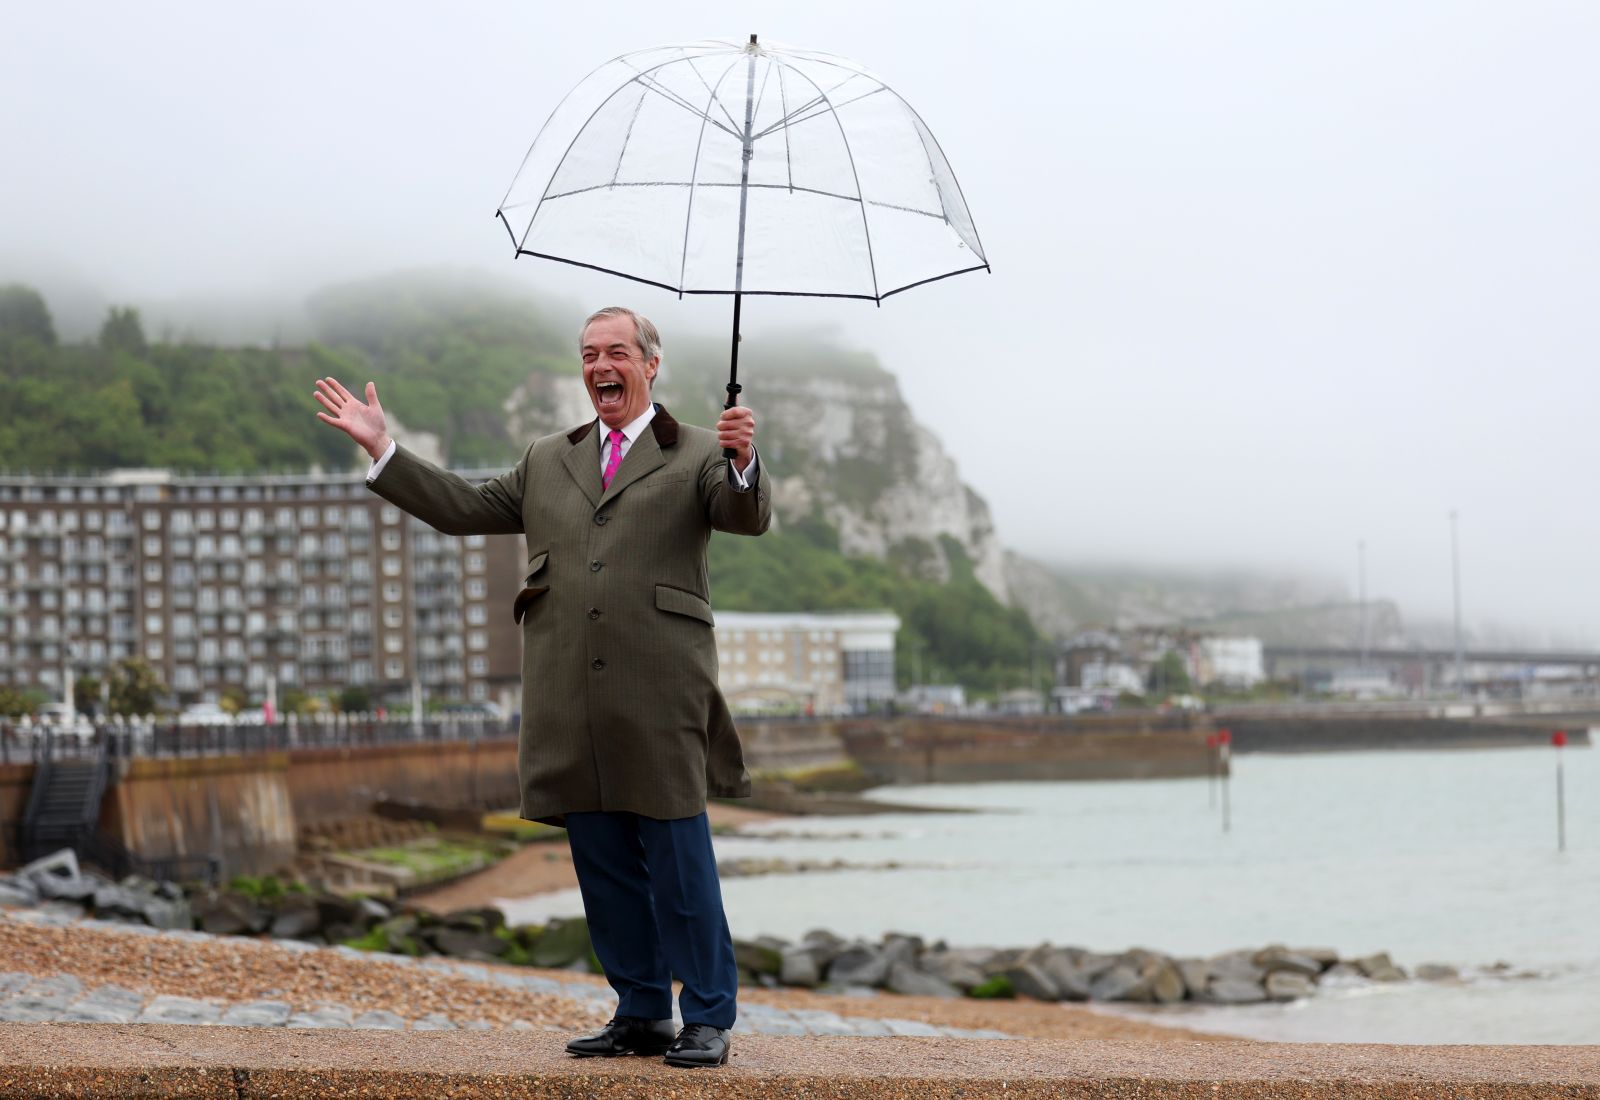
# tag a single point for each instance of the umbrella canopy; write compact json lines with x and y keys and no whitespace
{"x":742,"y":168}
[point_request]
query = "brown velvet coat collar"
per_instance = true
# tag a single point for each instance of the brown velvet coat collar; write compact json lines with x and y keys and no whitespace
{"x":662,"y":425}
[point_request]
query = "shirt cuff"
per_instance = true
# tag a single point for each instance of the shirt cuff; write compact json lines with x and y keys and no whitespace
{"x":743,"y":481}
{"x":383,"y":460}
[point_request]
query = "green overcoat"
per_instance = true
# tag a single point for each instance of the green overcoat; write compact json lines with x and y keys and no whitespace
{"x":620,"y":705}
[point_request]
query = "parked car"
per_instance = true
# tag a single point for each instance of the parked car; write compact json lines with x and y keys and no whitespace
{"x":204,"y":714}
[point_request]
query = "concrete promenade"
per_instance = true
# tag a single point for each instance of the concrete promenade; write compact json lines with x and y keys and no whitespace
{"x":114,"y":1061}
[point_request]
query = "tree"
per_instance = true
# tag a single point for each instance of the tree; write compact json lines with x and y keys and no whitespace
{"x":23,"y":313}
{"x":233,"y":700}
{"x":123,"y":331}
{"x":1169,"y":676}
{"x":134,"y":687}
{"x":86,"y":694}
{"x":355,"y":698}
{"x":14,"y":703}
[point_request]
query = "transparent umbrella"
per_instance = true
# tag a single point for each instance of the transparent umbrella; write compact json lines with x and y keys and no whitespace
{"x":722,"y":167}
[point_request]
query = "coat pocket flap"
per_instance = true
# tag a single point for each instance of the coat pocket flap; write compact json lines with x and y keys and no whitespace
{"x":681,"y":602}
{"x":536,"y":563}
{"x":520,"y":607}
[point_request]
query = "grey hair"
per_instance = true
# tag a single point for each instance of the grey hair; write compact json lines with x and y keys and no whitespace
{"x":644,"y":333}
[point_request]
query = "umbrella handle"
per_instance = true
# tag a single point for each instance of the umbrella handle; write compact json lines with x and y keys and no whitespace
{"x":734,"y":389}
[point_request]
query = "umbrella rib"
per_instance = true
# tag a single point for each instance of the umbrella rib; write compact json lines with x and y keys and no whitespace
{"x":934,"y":214}
{"x":866,"y":229}
{"x":820,"y":97}
{"x":565,"y":153}
{"x":646,"y":80}
{"x":617,"y":171}
{"x":797,"y":118}
{"x":783,"y":103}
{"x":762,"y":94}
{"x":716,"y":99}
{"x":694,"y":174}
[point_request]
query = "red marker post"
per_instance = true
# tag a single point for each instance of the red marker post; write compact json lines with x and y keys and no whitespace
{"x":1224,"y":741}
{"x":1211,"y":770}
{"x":1559,"y":740}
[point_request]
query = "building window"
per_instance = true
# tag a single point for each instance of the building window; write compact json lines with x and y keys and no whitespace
{"x":393,"y":669}
{"x":152,"y":571}
{"x":477,"y":614}
{"x":152,"y":597}
{"x":391,"y":592}
{"x":475,"y":563}
{"x":393,"y":643}
{"x":478,"y":639}
{"x":391,"y":514}
{"x":152,"y":520}
{"x":477,"y":589}
{"x":308,"y":517}
{"x":152,"y":650}
{"x":391,"y":567}
{"x":391,"y":540}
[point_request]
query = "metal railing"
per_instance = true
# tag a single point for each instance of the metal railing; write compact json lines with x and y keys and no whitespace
{"x":25,"y":742}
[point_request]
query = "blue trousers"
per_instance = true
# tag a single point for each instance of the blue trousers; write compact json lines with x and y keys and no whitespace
{"x":654,"y":906}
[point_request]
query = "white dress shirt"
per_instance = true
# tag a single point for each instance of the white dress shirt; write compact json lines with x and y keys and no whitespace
{"x":740,"y":479}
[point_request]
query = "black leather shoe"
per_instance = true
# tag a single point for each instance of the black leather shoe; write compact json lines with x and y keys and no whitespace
{"x":699,"y":1045}
{"x":624,"y":1035}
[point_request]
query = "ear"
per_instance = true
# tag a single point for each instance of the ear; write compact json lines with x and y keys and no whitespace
{"x":650,"y":368}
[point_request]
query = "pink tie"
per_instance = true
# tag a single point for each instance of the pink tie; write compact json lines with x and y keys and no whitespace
{"x":616,"y":439}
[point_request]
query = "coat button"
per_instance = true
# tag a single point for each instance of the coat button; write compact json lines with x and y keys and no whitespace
{"x":600,"y":521}
{"x":594,"y":613}
{"x":597,"y":664}
{"x":596,"y":566}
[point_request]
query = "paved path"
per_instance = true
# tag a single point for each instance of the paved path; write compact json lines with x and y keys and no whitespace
{"x":164,"y":1060}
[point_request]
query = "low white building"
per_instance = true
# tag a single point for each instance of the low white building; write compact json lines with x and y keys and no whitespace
{"x":806,"y":662}
{"x":1233,"y":662}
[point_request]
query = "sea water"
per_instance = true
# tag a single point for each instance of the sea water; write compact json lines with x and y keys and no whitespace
{"x":1446,"y":856}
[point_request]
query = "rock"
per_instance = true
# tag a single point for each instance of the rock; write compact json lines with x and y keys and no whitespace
{"x":16,"y":890}
{"x":1234,"y":991}
{"x":379,"y":1019}
{"x":908,"y":980}
{"x":1237,"y":966}
{"x":1030,"y":981}
{"x":859,"y":965}
{"x":466,"y":944}
{"x":1165,"y":982}
{"x":1121,"y":983}
{"x":371,"y":911}
{"x":1438,"y":972}
{"x":563,"y":943}
{"x":1287,"y":985}
{"x":756,"y":958}
{"x":823,"y":945}
{"x":798,"y":966}
{"x":1277,"y":959}
{"x":163,"y":913}
{"x":1325,"y":956}
{"x":953,"y":968}
{"x":79,"y":888}
{"x":229,"y":914}
{"x":1092,"y":964}
{"x":298,"y":915}
{"x":61,"y":864}
{"x":901,"y":949}
{"x":482,"y":919}
{"x":1196,"y":974}
{"x":1380,"y":968}
{"x":1343,"y":972}
{"x":180,"y":1010}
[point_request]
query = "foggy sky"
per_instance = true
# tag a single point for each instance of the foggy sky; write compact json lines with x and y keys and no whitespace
{"x":1269,"y":278}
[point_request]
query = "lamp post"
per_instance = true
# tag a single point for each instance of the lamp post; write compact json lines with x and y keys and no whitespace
{"x":1455,"y":580}
{"x":1559,"y":740}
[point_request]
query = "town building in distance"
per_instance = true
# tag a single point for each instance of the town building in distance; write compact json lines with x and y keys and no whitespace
{"x":308,"y":581}
{"x":807,"y":662}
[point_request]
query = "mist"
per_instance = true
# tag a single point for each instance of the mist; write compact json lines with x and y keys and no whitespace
{"x":1269,"y":280}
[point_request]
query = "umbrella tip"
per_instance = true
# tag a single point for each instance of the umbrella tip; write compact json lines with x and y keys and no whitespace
{"x":752,"y":40}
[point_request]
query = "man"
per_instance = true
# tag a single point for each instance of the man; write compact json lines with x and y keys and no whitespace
{"x":624,"y":733}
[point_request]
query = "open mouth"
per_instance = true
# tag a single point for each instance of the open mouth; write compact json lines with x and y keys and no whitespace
{"x":609,"y":394}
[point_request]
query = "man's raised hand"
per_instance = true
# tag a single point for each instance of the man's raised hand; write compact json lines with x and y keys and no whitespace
{"x":363,"y":423}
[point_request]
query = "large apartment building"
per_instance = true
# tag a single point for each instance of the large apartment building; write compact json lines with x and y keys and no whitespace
{"x":819,"y":663}
{"x":306,"y":580}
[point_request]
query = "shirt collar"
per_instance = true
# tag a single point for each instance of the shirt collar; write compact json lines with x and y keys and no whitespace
{"x":634,"y":429}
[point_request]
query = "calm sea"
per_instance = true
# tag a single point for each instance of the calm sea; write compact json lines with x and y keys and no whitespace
{"x":1435,"y":857}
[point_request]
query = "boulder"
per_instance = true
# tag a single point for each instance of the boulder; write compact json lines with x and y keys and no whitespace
{"x":1234,"y":991}
{"x":333,"y":909}
{"x":1287,"y":985}
{"x":756,"y":958}
{"x":908,"y":980}
{"x":953,"y":968}
{"x":1379,"y":967}
{"x":1343,"y":972}
{"x":798,"y":966}
{"x":859,"y":965}
{"x":483,"y":919}
{"x":298,"y":915}
{"x":1121,"y":983}
{"x":79,"y":888}
{"x":464,"y":943}
{"x":1031,"y":981}
{"x":563,"y":943}
{"x":1438,"y":972}
{"x":16,"y":890}
{"x":901,"y":949}
{"x":1072,"y":982}
{"x":1237,"y":966}
{"x":1325,"y":956}
{"x":1277,"y":959}
{"x":62,"y":863}
{"x":159,"y":912}
{"x":1196,"y":974}
{"x":229,"y":914}
{"x":1166,"y":982}
{"x":371,"y":911}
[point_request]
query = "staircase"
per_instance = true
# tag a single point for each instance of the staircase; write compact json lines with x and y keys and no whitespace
{"x":64,"y":803}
